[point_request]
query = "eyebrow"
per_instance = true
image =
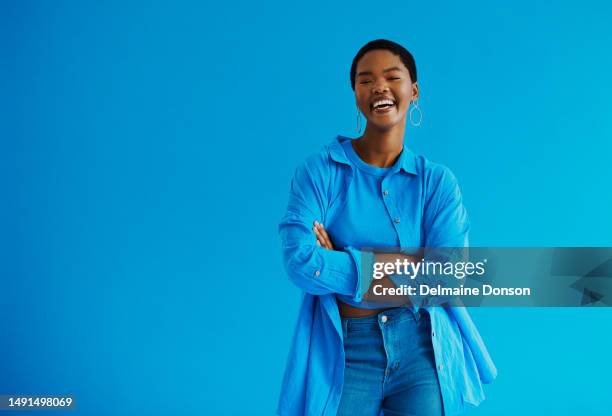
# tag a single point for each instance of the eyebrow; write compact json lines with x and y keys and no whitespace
{"x":393,"y":68}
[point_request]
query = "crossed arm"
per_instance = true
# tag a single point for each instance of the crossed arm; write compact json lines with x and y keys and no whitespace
{"x":324,"y":240}
{"x":318,"y":267}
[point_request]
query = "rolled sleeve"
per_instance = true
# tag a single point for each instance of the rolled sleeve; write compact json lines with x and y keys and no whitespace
{"x":364,"y":261}
{"x":313,"y":268}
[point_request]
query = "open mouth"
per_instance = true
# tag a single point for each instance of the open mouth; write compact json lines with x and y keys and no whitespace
{"x":383,"y":106}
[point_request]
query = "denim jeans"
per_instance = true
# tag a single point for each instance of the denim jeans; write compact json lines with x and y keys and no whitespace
{"x":390,"y":365}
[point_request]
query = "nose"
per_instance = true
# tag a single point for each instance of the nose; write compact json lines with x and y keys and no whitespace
{"x":380,"y":86}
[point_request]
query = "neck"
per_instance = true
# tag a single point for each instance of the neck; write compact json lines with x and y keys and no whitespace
{"x":380,"y":148}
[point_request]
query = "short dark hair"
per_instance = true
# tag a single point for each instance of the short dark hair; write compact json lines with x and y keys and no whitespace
{"x":405,"y":56}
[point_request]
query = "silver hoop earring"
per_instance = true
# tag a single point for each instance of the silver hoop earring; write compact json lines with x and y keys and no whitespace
{"x":415,"y":106}
{"x":358,"y":120}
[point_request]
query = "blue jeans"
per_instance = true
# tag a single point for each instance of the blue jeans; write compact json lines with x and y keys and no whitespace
{"x":390,"y":366}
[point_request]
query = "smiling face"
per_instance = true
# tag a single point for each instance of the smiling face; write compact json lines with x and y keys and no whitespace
{"x":383,"y":88}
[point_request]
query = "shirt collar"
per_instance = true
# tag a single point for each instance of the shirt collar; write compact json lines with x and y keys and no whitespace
{"x":407,"y":160}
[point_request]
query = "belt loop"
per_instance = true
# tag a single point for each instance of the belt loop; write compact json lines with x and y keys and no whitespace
{"x":345,"y":326}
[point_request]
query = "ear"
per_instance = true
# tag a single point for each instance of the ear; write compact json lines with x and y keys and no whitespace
{"x":415,"y":91}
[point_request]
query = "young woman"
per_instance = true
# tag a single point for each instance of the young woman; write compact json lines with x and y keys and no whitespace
{"x":352,"y":355}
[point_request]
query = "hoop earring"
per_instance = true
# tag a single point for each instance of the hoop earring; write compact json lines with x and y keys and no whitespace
{"x":415,"y":106}
{"x":359,"y":126}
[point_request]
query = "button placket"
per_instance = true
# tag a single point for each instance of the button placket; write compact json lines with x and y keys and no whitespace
{"x":387,"y":199}
{"x":391,"y":207}
{"x":384,"y":186}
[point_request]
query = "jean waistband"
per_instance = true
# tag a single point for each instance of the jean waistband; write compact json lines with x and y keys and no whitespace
{"x":392,"y":314}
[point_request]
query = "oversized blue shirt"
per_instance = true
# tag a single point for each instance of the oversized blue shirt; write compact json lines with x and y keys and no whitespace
{"x":423,"y":201}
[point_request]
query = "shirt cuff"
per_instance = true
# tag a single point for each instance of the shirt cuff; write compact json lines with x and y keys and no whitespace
{"x":364,"y":264}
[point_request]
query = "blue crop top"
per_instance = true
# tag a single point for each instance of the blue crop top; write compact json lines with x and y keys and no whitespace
{"x":364,"y":222}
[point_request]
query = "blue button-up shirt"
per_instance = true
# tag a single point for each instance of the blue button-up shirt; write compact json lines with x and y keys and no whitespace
{"x":425,"y":197}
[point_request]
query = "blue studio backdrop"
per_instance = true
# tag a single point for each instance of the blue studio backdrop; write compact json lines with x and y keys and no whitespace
{"x":146,"y":150}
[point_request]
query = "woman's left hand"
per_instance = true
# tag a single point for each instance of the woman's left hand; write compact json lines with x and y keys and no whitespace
{"x":322,"y":237}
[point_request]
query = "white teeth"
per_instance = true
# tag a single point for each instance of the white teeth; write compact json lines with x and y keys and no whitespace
{"x":382,"y":102}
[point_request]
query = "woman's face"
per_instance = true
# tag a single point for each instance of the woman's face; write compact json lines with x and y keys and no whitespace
{"x":381,"y":76}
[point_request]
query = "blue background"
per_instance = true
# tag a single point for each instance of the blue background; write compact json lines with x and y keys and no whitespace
{"x":146,"y":153}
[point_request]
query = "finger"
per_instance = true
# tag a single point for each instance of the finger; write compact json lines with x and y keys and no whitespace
{"x":323,"y":232}
{"x":322,"y":235}
{"x":326,"y":238}
{"x":327,"y":245}
{"x":321,"y":241}
{"x":322,"y":244}
{"x":316,"y":231}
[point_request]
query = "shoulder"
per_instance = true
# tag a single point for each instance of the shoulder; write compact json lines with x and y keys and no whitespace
{"x":436,"y":176}
{"x":318,"y":161}
{"x":316,"y":165}
{"x":318,"y":172}
{"x":323,"y":163}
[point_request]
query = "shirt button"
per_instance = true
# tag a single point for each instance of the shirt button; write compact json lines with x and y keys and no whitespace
{"x":317,"y":273}
{"x":440,"y":367}
{"x":384,"y":318}
{"x":397,"y":220}
{"x":386,"y":192}
{"x":433,"y":334}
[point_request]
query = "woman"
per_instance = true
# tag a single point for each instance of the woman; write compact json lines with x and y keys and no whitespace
{"x":354,"y":354}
